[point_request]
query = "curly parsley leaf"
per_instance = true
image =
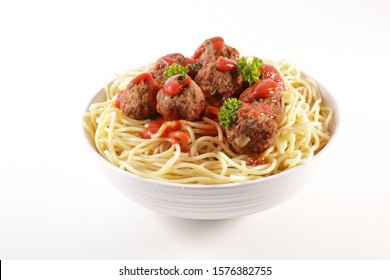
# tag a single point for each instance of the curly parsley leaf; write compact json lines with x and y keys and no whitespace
{"x":195,"y":66}
{"x":249,"y":68}
{"x":174,"y":69}
{"x":228,"y":112}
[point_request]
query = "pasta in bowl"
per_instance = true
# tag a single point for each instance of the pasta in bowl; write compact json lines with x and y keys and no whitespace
{"x":226,"y":136}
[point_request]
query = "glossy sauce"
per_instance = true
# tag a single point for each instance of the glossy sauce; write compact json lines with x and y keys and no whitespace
{"x":254,"y":110}
{"x":176,"y":136}
{"x":208,"y":132}
{"x":269,"y":71}
{"x":255,"y":161}
{"x":213,"y":110}
{"x":172,"y":131}
{"x":260,"y":89}
{"x":169,"y":61}
{"x":218,"y":44}
{"x":152,"y":129}
{"x":118,"y":99}
{"x":175,"y":84}
{"x":263,"y":108}
{"x":226,"y":64}
{"x":172,"y":127}
{"x":153,"y":86}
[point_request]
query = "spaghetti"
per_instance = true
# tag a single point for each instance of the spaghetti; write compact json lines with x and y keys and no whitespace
{"x":302,"y":132}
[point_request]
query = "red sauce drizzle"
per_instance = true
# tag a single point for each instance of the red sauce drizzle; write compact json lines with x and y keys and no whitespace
{"x":172,"y":131}
{"x":169,"y":61}
{"x":172,"y":127}
{"x":263,"y":108}
{"x":208,"y":132}
{"x":153,"y":86}
{"x":268,"y":71}
{"x":213,"y":110}
{"x":180,"y":135}
{"x":255,"y":161}
{"x":152,"y":128}
{"x":175,"y":84}
{"x":182,"y":138}
{"x":226,"y":64}
{"x":118,"y":99}
{"x":260,"y":89}
{"x":146,"y":76}
{"x":218,"y":44}
{"x":254,"y":110}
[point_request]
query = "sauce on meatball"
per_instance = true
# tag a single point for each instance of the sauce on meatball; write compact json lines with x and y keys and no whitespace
{"x":167,"y":60}
{"x":185,"y":100}
{"x":138,"y":101}
{"x":254,"y":129}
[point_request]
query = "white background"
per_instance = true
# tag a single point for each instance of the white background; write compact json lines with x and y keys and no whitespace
{"x":54,"y":56}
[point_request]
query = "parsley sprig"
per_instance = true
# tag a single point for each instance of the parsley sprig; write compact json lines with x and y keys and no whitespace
{"x":175,"y":69}
{"x":249,"y":68}
{"x":228,"y":112}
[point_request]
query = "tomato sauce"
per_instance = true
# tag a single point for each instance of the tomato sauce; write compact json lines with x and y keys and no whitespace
{"x":175,"y":84}
{"x":152,"y":128}
{"x":226,"y":64}
{"x":172,"y":127}
{"x":254,"y":110}
{"x":213,"y":110}
{"x":269,"y":71}
{"x":118,"y":99}
{"x":218,"y":44}
{"x":255,"y":161}
{"x":171,"y":131}
{"x":260,"y":89}
{"x":153,"y":86}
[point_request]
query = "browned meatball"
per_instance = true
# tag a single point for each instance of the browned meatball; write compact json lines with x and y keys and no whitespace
{"x":217,"y":84}
{"x":276,"y":104}
{"x":267,"y":92}
{"x":138,"y":101}
{"x":213,"y":48}
{"x":167,"y":60}
{"x":188,"y":104}
{"x":254,"y":129}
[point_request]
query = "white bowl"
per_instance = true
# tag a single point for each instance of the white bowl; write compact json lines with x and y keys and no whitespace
{"x":213,"y":202}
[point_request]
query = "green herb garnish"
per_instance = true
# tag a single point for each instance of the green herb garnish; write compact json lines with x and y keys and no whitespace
{"x":195,"y":66}
{"x":228,"y":112}
{"x":249,"y":69}
{"x":174,"y":69}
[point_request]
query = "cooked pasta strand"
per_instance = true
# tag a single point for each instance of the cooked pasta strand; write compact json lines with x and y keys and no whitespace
{"x":303,"y":132}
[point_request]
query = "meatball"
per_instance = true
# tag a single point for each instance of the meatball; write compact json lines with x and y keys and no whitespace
{"x":167,"y":60}
{"x":253,"y":131}
{"x":276,"y":104}
{"x":138,"y":101}
{"x":217,"y":84}
{"x":188,"y":104}
{"x":267,"y":92}
{"x":213,"y":48}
